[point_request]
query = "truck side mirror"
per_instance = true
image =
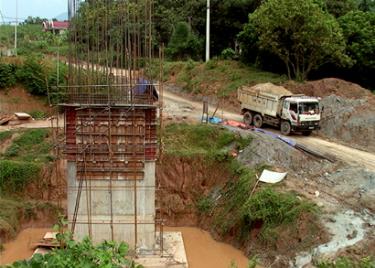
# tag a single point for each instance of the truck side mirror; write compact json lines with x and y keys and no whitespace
{"x":322,"y":108}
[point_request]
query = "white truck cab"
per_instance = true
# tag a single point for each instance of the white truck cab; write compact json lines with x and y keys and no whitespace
{"x":301,"y":113}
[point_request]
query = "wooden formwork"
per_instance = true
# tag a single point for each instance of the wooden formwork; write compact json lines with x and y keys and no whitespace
{"x":111,"y":142}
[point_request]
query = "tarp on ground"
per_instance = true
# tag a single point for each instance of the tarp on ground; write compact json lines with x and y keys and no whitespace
{"x":272,"y":177}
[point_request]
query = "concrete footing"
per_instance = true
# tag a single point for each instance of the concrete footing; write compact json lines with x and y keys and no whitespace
{"x":174,"y":254}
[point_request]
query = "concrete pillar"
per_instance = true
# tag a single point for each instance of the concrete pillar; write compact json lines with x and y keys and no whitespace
{"x":123,"y":208}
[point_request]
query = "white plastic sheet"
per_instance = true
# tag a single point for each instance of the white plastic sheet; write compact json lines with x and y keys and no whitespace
{"x":272,"y":177}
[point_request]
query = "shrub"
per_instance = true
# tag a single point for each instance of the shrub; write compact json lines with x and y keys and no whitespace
{"x":228,"y":54}
{"x":33,"y":76}
{"x":7,"y":75}
{"x":15,"y":176}
{"x":82,"y":254}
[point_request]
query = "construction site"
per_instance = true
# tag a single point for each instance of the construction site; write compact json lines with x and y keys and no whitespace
{"x":271,"y":175}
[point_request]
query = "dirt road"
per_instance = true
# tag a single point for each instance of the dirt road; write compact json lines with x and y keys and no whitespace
{"x":177,"y":107}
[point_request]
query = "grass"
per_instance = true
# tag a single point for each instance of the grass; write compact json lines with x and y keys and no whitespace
{"x":205,"y":140}
{"x":32,"y":39}
{"x":5,"y":135}
{"x":36,"y":114}
{"x":217,"y":77}
{"x":23,"y":160}
{"x":31,"y":146}
{"x":267,"y":208}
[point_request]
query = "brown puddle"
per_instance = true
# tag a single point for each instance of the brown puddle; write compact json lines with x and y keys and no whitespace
{"x":21,"y":247}
{"x":201,"y":249}
{"x":204,"y":252}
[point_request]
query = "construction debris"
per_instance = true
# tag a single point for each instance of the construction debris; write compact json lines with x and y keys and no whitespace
{"x":272,"y":177}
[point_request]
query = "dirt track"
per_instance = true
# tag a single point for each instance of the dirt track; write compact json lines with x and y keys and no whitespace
{"x":179,"y":107}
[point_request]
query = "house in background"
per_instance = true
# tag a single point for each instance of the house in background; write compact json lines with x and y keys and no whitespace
{"x":55,"y":27}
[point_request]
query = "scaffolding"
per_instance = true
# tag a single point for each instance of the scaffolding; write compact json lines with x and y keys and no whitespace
{"x":111,"y":103}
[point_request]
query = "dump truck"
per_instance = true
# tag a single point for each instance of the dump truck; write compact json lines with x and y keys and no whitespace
{"x":274,"y":105}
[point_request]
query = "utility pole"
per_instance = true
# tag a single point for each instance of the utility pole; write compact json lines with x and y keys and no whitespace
{"x":208,"y":26}
{"x":15,"y":30}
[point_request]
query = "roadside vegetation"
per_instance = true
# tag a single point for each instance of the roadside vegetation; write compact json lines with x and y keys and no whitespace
{"x":217,"y":77}
{"x":36,"y":72}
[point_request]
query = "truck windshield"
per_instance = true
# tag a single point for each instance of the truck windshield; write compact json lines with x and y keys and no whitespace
{"x":309,"y":108}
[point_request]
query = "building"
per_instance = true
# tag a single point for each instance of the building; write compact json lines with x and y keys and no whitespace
{"x":55,"y":27}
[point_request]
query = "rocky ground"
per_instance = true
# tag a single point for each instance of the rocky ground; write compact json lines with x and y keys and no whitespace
{"x":349,"y":111}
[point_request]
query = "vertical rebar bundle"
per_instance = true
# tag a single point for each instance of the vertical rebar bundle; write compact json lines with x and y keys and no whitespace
{"x":111,"y":100}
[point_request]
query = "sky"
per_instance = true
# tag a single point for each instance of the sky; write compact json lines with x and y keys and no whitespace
{"x":36,"y":8}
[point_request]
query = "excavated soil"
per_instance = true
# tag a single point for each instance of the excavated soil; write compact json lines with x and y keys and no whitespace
{"x":184,"y":181}
{"x":349,"y":115}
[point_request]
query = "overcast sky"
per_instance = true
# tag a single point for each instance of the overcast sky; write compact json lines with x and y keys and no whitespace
{"x":41,"y":8}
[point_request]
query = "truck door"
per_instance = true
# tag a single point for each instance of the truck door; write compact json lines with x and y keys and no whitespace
{"x":284,"y":113}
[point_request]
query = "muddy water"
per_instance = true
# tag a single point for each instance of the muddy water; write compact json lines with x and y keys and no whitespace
{"x":21,"y":247}
{"x":204,"y":252}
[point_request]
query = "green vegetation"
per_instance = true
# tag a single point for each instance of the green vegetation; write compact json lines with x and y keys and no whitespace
{"x":22,"y":161}
{"x":38,"y":114}
{"x":304,"y":37}
{"x":32,"y":146}
{"x":359,"y":32}
{"x":32,"y":39}
{"x":7,"y":75}
{"x":36,"y":72}
{"x":345,"y":262}
{"x":204,"y":140}
{"x":217,"y":77}
{"x":184,"y":43}
{"x":5,"y":135}
{"x":82,"y":255}
{"x":15,"y":176}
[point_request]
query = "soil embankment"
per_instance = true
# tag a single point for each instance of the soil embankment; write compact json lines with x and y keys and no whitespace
{"x":349,"y":111}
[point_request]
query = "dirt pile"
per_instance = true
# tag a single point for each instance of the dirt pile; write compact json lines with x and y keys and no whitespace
{"x":329,"y":86}
{"x":349,"y":115}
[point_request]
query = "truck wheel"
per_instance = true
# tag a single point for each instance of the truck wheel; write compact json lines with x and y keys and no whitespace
{"x":248,"y":118}
{"x":306,"y":133}
{"x":285,"y":128}
{"x":258,"y":121}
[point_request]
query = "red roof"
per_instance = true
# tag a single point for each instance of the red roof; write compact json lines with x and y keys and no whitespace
{"x":60,"y":25}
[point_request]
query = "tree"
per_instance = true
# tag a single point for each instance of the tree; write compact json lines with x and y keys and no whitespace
{"x":227,"y":19}
{"x":359,"y":31}
{"x":339,"y":8}
{"x":367,"y":5}
{"x":298,"y":32}
{"x":184,"y":44}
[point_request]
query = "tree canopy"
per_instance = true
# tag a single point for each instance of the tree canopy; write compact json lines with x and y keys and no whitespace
{"x":359,"y":31}
{"x":300,"y":33}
